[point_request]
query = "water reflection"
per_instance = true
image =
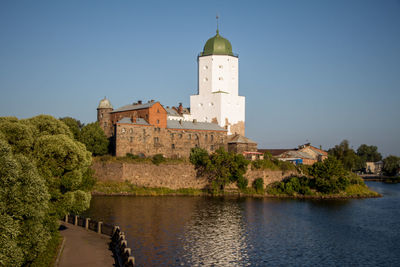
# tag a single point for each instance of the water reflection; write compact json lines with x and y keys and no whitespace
{"x":200,"y":231}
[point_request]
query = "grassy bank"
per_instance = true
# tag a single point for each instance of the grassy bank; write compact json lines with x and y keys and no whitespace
{"x":128,"y":189}
{"x":49,"y":256}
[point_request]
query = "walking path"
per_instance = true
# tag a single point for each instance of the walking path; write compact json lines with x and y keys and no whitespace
{"x":84,"y":248}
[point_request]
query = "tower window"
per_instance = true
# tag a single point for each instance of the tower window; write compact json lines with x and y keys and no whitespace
{"x":189,"y":136}
{"x":131,"y":139}
{"x":155,"y":140}
{"x":173,"y":146}
{"x":158,"y":121}
{"x":205,"y":79}
{"x":220,"y":66}
{"x":205,"y":67}
{"x":105,"y":124}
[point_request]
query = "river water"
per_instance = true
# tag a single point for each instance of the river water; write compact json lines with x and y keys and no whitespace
{"x":205,"y":231}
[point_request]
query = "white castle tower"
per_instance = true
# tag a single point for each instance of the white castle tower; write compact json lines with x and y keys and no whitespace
{"x":218,"y":99}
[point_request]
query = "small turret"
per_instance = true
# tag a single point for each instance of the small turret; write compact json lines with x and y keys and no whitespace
{"x":104,"y":117}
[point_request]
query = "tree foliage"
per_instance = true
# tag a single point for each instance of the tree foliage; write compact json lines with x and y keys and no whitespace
{"x":391,"y":165}
{"x":44,"y":173}
{"x":23,"y":209}
{"x":74,"y":126}
{"x":94,"y":139}
{"x":346,"y":155}
{"x":220,"y":167}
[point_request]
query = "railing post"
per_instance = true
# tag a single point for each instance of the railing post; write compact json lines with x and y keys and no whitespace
{"x":66,"y":218}
{"x":99,"y":227}
{"x":87,"y":223}
{"x":131,"y":262}
{"x":76,"y":220}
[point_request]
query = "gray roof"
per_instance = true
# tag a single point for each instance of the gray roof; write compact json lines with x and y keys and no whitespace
{"x":134,"y":107}
{"x":297,"y":154}
{"x":190,"y":125}
{"x":173,"y":112}
{"x":139,"y":121}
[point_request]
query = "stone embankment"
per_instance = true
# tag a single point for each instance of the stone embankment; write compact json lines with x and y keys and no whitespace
{"x":173,"y":176}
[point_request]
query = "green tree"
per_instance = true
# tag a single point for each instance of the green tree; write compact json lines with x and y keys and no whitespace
{"x":94,"y":139}
{"x":24,"y":199}
{"x":74,"y":126}
{"x":391,"y":165}
{"x":220,"y":167}
{"x":258,"y":185}
{"x":346,"y":155}
{"x":367,"y":154}
{"x":48,"y":125}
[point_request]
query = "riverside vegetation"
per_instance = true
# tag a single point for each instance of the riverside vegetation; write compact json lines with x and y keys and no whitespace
{"x":327,"y":179}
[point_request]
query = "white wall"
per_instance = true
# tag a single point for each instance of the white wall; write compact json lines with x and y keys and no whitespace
{"x":218,"y":79}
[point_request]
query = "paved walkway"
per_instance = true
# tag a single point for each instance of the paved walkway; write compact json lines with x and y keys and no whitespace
{"x":84,"y":248}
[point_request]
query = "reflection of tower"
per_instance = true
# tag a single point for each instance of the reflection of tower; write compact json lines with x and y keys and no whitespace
{"x":104,"y":117}
{"x":218,"y":99}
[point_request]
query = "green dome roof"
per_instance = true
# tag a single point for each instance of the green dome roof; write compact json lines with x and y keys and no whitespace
{"x":217,"y":45}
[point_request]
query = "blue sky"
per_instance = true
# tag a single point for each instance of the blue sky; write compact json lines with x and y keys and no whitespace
{"x":318,"y":71}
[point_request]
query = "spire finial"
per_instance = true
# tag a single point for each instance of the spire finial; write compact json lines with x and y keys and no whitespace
{"x":217,"y":24}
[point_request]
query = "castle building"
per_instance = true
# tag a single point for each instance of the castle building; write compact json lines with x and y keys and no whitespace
{"x":218,"y":99}
{"x":215,"y":119}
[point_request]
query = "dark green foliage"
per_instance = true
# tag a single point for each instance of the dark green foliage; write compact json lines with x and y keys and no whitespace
{"x":220,"y":167}
{"x":94,"y":139}
{"x":131,"y":156}
{"x":350,"y":160}
{"x":157,"y":159}
{"x":44,"y":173}
{"x":258,"y":185}
{"x":23,"y":209}
{"x":272,"y":163}
{"x":74,"y":126}
{"x":328,"y":177}
{"x":242,"y":182}
{"x":391,"y":165}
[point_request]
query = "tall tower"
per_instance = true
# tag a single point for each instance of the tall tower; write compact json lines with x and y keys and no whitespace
{"x":104,"y":116}
{"x":218,"y":99}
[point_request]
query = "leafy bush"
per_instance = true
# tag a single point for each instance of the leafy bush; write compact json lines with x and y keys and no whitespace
{"x":157,"y":159}
{"x":242,"y":182}
{"x":258,"y":185}
{"x":221,"y":167}
{"x":131,"y":156}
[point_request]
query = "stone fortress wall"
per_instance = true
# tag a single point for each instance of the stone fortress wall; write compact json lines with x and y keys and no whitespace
{"x":173,"y":176}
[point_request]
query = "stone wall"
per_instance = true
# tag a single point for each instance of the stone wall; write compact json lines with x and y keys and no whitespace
{"x":172,"y":143}
{"x":172,"y":176}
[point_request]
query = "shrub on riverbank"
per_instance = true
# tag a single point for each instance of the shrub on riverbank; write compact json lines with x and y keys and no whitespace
{"x":328,"y":178}
{"x":220,"y":167}
{"x":273,"y":164}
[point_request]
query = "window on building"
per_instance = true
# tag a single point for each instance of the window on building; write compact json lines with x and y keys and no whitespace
{"x":158,"y":121}
{"x":196,"y":137}
{"x":123,"y":130}
{"x":158,"y":111}
{"x":131,"y":139}
{"x":220,"y":66}
{"x":172,"y":136}
{"x":212,"y":137}
{"x":105,"y":124}
{"x":173,"y":146}
{"x":189,"y":136}
{"x":180,"y":136}
{"x":101,"y":115}
{"x":206,"y":137}
{"x":130,"y":130}
{"x":212,"y":148}
{"x":220,"y":78}
{"x":156,"y":140}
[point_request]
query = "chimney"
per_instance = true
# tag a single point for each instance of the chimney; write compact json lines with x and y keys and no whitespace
{"x":180,"y":109}
{"x":139,"y":102}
